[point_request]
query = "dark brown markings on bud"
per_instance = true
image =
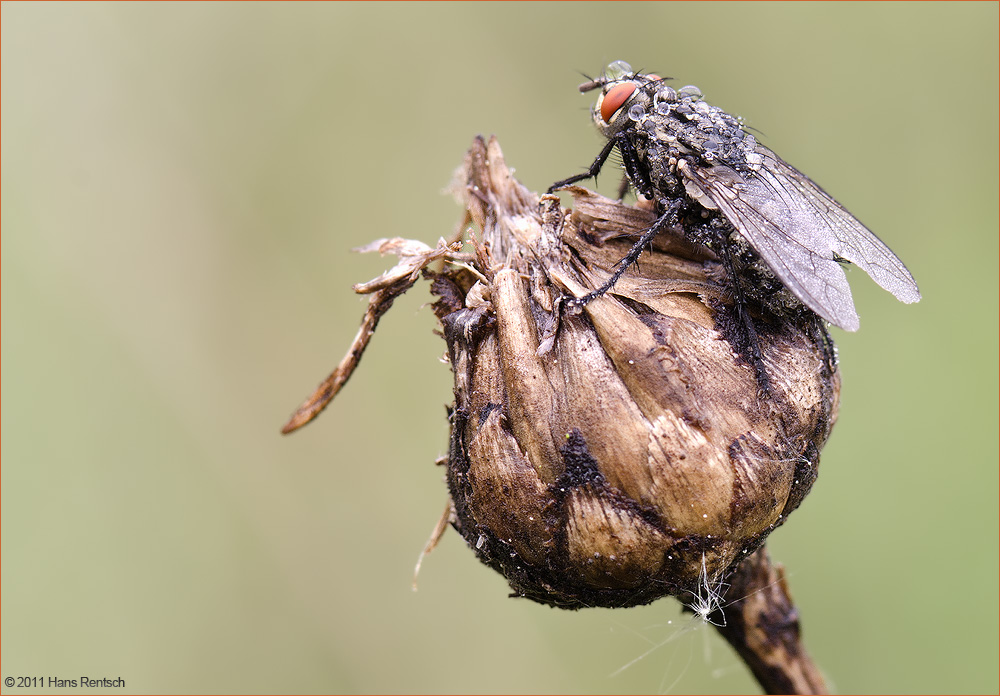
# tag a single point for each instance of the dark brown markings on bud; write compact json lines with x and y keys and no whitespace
{"x":458,"y":459}
{"x":450,"y":296}
{"x":582,"y":470}
{"x":806,"y":472}
{"x":487,"y":410}
{"x":466,"y":327}
{"x":580,"y":466}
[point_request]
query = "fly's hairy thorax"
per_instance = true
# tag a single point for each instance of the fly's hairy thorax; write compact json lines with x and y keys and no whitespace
{"x":665,"y":129}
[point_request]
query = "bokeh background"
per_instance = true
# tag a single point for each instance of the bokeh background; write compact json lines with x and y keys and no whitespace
{"x":182,"y":186}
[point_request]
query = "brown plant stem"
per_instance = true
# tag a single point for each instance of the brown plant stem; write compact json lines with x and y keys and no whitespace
{"x":762,"y":625}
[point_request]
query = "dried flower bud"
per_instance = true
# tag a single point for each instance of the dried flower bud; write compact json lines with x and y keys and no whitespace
{"x":621,"y":452}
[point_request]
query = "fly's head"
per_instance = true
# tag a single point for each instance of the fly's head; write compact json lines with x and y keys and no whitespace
{"x":626,"y":97}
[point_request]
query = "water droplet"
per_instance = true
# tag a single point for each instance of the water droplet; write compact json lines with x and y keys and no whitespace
{"x":617,"y":70}
{"x":690,"y":91}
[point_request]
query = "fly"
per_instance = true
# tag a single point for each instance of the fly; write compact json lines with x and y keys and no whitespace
{"x":690,"y":157}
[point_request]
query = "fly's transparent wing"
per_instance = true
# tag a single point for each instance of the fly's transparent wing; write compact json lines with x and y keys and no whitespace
{"x":762,"y":215}
{"x":800,"y":232}
{"x":851,"y":240}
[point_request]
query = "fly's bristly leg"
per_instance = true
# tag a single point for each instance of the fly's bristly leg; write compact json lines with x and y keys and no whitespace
{"x":666,"y":219}
{"x":592,"y":171}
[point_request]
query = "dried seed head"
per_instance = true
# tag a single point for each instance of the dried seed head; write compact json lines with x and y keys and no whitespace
{"x":622,"y":453}
{"x":609,"y":454}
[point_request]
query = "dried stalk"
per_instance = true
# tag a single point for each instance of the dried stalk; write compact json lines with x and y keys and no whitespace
{"x":762,"y":625}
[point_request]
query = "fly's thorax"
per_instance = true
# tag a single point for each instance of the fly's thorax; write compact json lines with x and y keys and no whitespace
{"x":705,"y":134}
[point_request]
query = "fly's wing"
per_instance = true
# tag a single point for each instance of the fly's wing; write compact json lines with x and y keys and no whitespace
{"x":800,"y":232}
{"x":854,"y":241}
{"x":762,"y":213}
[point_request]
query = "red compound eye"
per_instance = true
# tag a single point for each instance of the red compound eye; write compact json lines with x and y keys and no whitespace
{"x":614,"y":99}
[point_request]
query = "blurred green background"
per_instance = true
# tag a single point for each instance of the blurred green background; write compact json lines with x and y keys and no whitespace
{"x":182,"y":185}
